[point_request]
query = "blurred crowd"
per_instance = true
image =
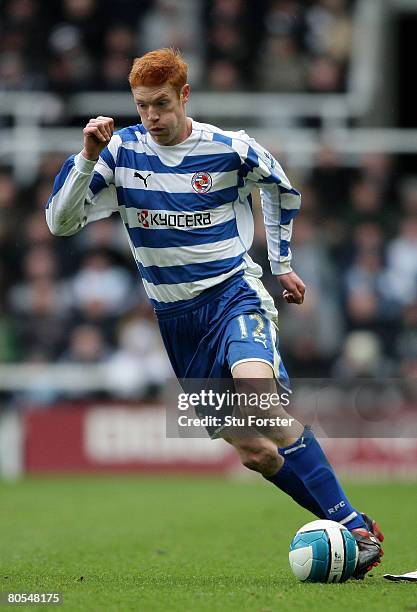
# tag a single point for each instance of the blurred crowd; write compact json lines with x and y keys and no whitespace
{"x":67,"y":46}
{"x":355,"y":246}
{"x":79,"y":299}
{"x":76,"y":299}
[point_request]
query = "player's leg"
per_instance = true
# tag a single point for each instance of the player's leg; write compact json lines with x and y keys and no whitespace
{"x":300,"y":449}
{"x":257,"y":453}
{"x":183,"y":348}
{"x":260,"y":454}
{"x":305,"y":458}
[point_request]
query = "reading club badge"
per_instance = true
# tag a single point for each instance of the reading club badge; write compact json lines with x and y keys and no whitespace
{"x":201,"y":182}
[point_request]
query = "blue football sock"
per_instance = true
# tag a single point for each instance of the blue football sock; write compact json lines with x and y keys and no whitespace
{"x":307,"y":459}
{"x":286,"y":480}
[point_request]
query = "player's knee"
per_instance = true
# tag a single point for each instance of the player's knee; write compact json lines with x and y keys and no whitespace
{"x":264,"y":460}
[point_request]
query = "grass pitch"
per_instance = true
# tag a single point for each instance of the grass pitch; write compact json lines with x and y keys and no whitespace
{"x":181,"y":544}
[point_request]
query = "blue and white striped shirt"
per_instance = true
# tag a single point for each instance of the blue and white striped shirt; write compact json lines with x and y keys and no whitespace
{"x":186,"y":208}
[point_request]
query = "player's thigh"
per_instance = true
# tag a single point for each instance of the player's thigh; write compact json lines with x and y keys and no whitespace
{"x":262,"y":401}
{"x":253,"y":369}
{"x":253,"y":380}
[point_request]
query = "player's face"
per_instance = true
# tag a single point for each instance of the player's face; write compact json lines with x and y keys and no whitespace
{"x":162,"y":112}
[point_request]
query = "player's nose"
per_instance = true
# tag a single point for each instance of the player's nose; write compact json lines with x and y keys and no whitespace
{"x":152,"y":115}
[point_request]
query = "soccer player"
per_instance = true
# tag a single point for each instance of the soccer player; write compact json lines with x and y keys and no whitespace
{"x":183,"y":191}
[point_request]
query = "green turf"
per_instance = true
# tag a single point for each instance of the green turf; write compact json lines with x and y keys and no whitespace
{"x":186,"y":545}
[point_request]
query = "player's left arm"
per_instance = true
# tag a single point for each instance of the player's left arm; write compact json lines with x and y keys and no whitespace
{"x":280,"y":205}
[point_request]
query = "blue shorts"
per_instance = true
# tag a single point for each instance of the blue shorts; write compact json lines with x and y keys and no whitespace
{"x":234,"y":322}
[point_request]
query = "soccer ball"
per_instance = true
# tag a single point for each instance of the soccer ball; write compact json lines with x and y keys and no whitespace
{"x":323,"y":551}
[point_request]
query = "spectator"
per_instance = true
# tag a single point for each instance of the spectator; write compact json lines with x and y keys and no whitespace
{"x":312,"y":335}
{"x":114,"y":68}
{"x":286,"y":18}
{"x":174,"y":23}
{"x":120,"y":39}
{"x":101,"y":284}
{"x":331,"y":180}
{"x":362,"y":357}
{"x":325,"y":75}
{"x":8,"y":207}
{"x":140,"y":366}
{"x":282,"y":67}
{"x":406,"y":345}
{"x":365,"y":284}
{"x":402,"y":262}
{"x":42,"y":319}
{"x":87,"y":345}
{"x":223,"y":75}
{"x":329,"y":29}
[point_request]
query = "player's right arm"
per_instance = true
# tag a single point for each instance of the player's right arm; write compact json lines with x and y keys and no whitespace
{"x":84,"y":188}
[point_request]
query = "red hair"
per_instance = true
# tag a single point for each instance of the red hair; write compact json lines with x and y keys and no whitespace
{"x":158,"y":67}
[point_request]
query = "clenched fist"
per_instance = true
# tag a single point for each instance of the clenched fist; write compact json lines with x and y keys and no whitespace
{"x":97,"y":135}
{"x":294,"y":288}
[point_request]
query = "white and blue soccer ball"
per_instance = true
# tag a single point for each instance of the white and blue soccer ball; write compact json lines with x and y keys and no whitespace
{"x":323,"y":551}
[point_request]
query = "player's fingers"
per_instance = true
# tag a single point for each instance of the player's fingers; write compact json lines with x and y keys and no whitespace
{"x":103,"y":130}
{"x":297,"y":295}
{"x":107,"y":132}
{"x":107,"y":129}
{"x":95,"y":132}
{"x":106,"y":122}
{"x":299,"y":299}
{"x":302,"y":288}
{"x":291,"y":299}
{"x":103,"y":126}
{"x":109,"y":122}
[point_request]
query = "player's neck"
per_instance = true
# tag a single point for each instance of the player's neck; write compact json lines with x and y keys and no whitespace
{"x":184,"y":133}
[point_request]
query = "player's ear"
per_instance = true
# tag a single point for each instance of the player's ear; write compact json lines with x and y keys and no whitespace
{"x":185,"y":93}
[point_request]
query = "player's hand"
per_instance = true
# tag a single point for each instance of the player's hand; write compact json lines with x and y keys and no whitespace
{"x":97,"y":135}
{"x":294,"y":288}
